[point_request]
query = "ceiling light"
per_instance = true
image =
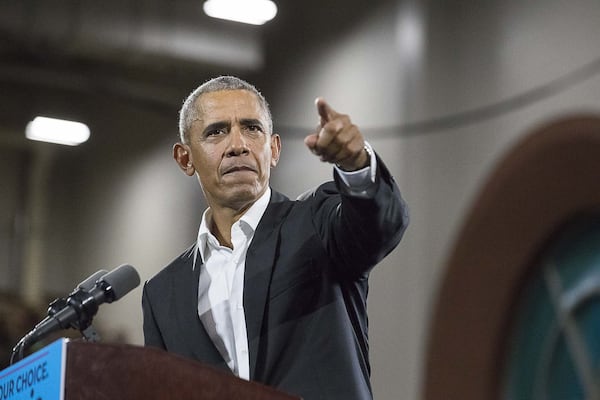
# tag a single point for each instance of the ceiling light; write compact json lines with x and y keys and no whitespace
{"x":59,"y":131}
{"x":255,"y":12}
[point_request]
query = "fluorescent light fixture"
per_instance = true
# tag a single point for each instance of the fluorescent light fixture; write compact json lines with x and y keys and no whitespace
{"x":58,"y":131}
{"x":255,"y":12}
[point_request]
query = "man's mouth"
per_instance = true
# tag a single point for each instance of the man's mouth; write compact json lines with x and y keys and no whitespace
{"x":238,"y":168}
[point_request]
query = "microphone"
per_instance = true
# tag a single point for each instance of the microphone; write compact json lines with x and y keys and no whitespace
{"x":89,"y":282}
{"x":82,"y":305}
{"x":86,"y":285}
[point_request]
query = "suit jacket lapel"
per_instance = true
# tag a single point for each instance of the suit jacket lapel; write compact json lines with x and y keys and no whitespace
{"x":191,"y":328}
{"x":260,"y":261}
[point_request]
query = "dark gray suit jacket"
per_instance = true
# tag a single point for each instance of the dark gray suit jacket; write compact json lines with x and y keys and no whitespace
{"x":305,"y":291}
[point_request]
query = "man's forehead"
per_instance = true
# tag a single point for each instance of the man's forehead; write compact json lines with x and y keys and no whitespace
{"x":228,"y":100}
{"x":227,"y":104}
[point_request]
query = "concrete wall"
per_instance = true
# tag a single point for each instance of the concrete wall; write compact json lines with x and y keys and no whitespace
{"x":441,"y":89}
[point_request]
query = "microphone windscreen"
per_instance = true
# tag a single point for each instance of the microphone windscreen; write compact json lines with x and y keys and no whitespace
{"x":122,"y":279}
{"x":90,"y":282}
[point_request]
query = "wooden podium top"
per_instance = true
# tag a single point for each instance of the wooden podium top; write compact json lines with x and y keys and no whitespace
{"x":118,"y":371}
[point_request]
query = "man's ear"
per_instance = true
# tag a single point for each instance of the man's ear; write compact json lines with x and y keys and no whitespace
{"x":183,"y":157}
{"x":275,"y":149}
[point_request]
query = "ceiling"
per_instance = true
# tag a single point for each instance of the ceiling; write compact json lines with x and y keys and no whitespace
{"x":144,"y":51}
{"x":59,"y":55}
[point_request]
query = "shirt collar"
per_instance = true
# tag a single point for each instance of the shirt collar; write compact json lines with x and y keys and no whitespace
{"x":251,"y":218}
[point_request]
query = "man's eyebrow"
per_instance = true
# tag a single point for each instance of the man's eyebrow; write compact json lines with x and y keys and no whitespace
{"x":251,"y":121}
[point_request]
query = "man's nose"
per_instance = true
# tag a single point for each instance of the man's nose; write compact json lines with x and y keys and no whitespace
{"x":237,"y":142}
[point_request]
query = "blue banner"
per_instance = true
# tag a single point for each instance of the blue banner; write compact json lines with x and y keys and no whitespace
{"x":39,"y":376}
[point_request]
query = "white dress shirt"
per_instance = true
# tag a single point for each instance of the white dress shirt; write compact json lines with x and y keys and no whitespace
{"x":221,"y":282}
{"x":221,"y":286}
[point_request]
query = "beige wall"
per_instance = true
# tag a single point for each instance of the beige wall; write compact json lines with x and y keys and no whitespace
{"x":498,"y":68}
{"x":121,"y":199}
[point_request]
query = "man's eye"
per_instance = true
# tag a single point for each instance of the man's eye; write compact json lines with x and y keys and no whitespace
{"x":215,"y":132}
{"x":254,"y":128}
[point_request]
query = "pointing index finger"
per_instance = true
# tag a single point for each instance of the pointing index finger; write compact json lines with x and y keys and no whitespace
{"x":325,"y":111}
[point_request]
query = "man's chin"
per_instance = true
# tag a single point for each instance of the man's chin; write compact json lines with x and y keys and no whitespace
{"x":243,"y":194}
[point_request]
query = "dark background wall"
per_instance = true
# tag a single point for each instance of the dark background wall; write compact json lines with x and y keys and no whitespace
{"x":441,"y":89}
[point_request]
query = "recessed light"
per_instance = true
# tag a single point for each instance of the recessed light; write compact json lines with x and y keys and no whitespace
{"x":58,"y":131}
{"x":255,"y":12}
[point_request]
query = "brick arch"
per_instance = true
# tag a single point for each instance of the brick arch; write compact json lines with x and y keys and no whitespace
{"x":543,"y":181}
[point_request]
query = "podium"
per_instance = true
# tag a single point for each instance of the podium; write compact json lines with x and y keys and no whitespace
{"x":77,"y":370}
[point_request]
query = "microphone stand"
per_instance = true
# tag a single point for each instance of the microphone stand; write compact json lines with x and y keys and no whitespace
{"x":80,"y":307}
{"x":85,"y":311}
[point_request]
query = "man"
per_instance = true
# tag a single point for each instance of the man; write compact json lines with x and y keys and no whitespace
{"x":275,"y":290}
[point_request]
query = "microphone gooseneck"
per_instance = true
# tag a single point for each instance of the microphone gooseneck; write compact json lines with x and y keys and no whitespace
{"x":80,"y":307}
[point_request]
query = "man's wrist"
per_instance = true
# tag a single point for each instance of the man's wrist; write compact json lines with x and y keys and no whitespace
{"x":363,"y":177}
{"x":362,"y":160}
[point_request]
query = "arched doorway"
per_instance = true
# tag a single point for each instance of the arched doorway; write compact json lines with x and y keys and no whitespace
{"x":546,"y":181}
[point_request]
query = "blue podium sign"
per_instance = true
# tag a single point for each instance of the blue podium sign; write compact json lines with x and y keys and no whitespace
{"x":40,"y":376}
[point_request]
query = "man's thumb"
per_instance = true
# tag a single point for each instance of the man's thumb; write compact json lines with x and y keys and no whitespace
{"x":311,"y":140}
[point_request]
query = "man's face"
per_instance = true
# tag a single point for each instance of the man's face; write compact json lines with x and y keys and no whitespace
{"x":231,"y":149}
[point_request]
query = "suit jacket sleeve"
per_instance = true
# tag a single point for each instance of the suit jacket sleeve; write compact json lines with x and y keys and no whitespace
{"x":360,"y":231}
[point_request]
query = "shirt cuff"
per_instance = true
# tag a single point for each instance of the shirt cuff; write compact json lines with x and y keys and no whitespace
{"x":361,"y":178}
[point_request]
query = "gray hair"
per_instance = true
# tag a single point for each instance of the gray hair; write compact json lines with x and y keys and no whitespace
{"x":189,"y":112}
